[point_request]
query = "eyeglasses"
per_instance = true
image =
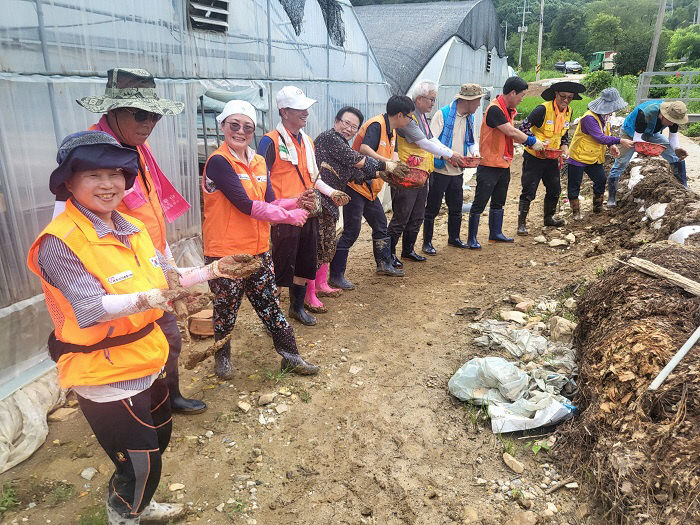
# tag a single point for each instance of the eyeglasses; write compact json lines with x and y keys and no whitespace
{"x":350,"y":125}
{"x":431,"y":99}
{"x":141,"y":115}
{"x":566,"y":97}
{"x":247,"y":128}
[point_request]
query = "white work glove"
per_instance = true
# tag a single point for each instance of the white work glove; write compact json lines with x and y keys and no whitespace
{"x":157,"y":298}
{"x":236,"y":266}
{"x":538,"y":145}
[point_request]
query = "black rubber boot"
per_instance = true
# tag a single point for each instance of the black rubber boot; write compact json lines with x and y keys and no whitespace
{"x":223,"y":368}
{"x":395,"y":262}
{"x":178,"y":403}
{"x":523,"y":210}
{"x":382,"y":254}
{"x":454,"y":225}
{"x":297,"y":292}
{"x":428,"y":227}
{"x":286,"y":346}
{"x":408,"y":247}
{"x":496,"y":227}
{"x":336,"y":273}
{"x":472,"y":242}
{"x":550,"y":208}
{"x":612,"y":192}
{"x":597,"y":203}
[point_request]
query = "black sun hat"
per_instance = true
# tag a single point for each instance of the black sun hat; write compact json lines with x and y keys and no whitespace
{"x":565,"y":85}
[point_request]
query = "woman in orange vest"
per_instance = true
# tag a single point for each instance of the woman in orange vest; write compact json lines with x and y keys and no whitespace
{"x":105,"y":287}
{"x":239,"y":205}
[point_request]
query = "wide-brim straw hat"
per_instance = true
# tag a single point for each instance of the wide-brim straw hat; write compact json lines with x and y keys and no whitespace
{"x":565,"y":86}
{"x":675,"y":110}
{"x":91,"y":150}
{"x":609,"y":101}
{"x":470,"y":92}
{"x":131,"y":88}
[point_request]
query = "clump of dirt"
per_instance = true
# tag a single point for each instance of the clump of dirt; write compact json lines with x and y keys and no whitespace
{"x":640,"y":448}
{"x":629,"y":227}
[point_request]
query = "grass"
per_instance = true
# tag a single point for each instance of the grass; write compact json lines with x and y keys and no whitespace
{"x":8,"y":499}
{"x":61,"y":493}
{"x":305,"y":396}
{"x":95,"y":515}
{"x":529,"y":103}
{"x":276,"y":375}
{"x":509,"y":445}
{"x":476,"y":415}
{"x":529,"y":76}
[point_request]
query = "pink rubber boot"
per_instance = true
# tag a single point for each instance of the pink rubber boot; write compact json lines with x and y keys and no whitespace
{"x":311,"y":302}
{"x":323,"y":289}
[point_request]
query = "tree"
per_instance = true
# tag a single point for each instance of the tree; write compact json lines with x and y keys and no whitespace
{"x":569,"y":30}
{"x":685,"y":43}
{"x":633,"y":52}
{"x":604,"y":33}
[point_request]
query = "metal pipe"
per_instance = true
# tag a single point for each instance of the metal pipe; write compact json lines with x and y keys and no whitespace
{"x":673,"y":363}
{"x":204,"y":126}
{"x":47,"y":66}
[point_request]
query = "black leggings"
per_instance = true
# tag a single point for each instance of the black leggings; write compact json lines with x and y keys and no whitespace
{"x":133,"y":432}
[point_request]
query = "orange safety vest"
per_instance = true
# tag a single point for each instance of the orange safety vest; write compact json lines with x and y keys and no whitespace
{"x":151,"y":213}
{"x":226,"y":230}
{"x":120,"y":270}
{"x":492,"y":143}
{"x":385,"y":149}
{"x":286,"y":179}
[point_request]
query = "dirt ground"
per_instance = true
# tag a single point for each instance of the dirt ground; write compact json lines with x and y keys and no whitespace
{"x":375,"y":437}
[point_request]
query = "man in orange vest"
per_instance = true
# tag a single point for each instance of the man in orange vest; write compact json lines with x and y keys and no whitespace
{"x":131,"y":109}
{"x":376,"y":139}
{"x":290,"y":158}
{"x":496,"y":146}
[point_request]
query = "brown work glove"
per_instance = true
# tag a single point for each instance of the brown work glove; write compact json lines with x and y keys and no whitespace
{"x":236,"y":266}
{"x":307,"y":200}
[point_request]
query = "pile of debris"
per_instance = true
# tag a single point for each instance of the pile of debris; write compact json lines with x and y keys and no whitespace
{"x":640,"y":447}
{"x":651,"y":206}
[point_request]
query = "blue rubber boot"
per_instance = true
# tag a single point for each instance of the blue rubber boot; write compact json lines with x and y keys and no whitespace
{"x":495,"y":226}
{"x":473,"y":230}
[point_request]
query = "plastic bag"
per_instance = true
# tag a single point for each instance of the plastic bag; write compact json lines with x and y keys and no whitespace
{"x":488,"y":380}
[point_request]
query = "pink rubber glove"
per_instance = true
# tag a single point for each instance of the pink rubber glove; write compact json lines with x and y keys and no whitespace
{"x":287,"y":204}
{"x":269,"y":212}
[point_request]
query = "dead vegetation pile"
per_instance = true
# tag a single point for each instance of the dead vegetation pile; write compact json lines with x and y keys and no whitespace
{"x":641,"y":450}
{"x":631,"y":225}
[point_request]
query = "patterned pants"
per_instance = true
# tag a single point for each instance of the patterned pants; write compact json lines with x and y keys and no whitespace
{"x":327,"y":238}
{"x":260,"y":288}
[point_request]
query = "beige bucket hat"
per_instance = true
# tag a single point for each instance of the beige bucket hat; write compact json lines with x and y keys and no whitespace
{"x":675,"y":111}
{"x":470,"y":92}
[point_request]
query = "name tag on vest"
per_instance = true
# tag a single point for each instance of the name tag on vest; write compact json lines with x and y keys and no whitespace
{"x":118,"y":277}
{"x":154,"y":261}
{"x":550,"y":122}
{"x":243,"y":176}
{"x":261,"y":178}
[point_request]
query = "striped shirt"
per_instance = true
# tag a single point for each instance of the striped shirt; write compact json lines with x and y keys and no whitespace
{"x":62,"y":269}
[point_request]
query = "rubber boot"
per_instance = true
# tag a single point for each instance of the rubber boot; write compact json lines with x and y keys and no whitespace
{"x":178,"y":403}
{"x":114,"y":518}
{"x":454,"y":225}
{"x":597,"y":203}
{"x":496,"y":227}
{"x":550,"y":208}
{"x":612,"y":191}
{"x":286,"y":346}
{"x":336,"y":272}
{"x":408,"y":247}
{"x":297,"y":293}
{"x":523,"y":209}
{"x":322,"y":287}
{"x":576,"y":209}
{"x":472,"y":242}
{"x":428,"y":227}
{"x":680,"y":173}
{"x":382,"y":254}
{"x":395,"y":262}
{"x":223,"y":368}
{"x":311,"y":302}
{"x":162,"y":512}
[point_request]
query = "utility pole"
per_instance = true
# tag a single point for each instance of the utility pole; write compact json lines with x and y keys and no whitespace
{"x":657,"y":35}
{"x":522,"y":30}
{"x":539,"y":42}
{"x":506,"y":38}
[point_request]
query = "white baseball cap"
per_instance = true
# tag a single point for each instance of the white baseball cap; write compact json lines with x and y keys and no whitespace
{"x":293,"y":98}
{"x":237,"y":107}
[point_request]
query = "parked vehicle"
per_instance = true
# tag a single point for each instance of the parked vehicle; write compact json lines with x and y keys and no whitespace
{"x":571,"y":66}
{"x":560,"y":66}
{"x":602,"y":60}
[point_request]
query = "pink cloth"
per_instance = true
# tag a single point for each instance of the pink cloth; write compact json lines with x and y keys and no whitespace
{"x":172,"y":203}
{"x":265,"y":211}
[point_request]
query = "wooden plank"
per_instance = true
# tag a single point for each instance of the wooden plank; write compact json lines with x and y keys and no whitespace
{"x":655,"y":270}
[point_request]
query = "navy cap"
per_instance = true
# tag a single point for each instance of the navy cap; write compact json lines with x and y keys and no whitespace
{"x":89,"y":150}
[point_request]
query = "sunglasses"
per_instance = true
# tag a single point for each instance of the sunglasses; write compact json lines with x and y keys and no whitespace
{"x":141,"y":115}
{"x":248,"y":129}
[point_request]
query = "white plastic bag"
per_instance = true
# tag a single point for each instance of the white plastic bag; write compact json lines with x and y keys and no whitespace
{"x":488,"y":380}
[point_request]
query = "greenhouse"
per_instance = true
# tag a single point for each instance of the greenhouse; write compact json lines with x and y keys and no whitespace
{"x":203,"y":53}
